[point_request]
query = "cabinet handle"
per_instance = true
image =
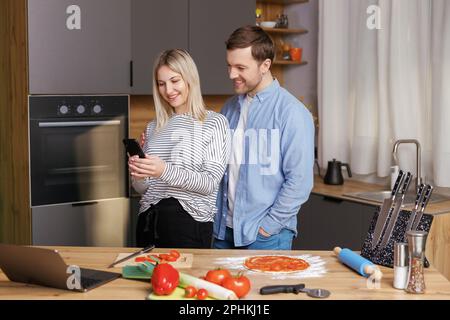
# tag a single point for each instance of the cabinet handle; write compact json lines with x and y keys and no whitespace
{"x":81,"y":204}
{"x":65,"y":124}
{"x":131,"y":73}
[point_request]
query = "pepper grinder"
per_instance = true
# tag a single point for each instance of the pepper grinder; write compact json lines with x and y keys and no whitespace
{"x":416,"y":244}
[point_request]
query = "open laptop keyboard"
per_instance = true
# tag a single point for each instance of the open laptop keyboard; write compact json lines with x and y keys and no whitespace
{"x":90,"y":277}
{"x":89,"y":282}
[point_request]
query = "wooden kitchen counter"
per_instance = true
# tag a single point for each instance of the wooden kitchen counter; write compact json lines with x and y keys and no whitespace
{"x":352,"y":186}
{"x":349,"y":186}
{"x":343,"y":282}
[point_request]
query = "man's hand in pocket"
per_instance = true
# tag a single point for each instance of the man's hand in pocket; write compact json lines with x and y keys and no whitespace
{"x":263,"y":233}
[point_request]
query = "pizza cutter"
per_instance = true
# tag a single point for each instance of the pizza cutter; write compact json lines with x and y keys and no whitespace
{"x":314,"y":293}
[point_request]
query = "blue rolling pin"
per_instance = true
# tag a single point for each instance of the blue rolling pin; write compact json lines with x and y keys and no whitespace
{"x":361,"y":265}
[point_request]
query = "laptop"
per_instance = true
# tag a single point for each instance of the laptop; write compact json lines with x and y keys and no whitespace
{"x":46,"y":267}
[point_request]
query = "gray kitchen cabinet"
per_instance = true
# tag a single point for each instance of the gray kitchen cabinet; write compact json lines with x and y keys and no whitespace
{"x":103,"y":223}
{"x":156,"y":25}
{"x":79,"y":46}
{"x":200,"y":26}
{"x":210,"y":24}
{"x":325,"y":222}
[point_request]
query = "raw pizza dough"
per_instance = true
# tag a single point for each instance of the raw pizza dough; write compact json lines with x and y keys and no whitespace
{"x":275,"y":264}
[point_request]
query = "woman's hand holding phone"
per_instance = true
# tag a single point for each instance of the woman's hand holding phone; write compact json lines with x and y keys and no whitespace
{"x":150,"y":166}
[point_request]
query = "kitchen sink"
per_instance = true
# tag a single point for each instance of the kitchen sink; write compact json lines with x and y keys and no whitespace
{"x":379,"y":196}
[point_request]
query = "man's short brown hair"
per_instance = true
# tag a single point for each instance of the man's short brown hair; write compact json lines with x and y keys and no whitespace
{"x":257,"y":38}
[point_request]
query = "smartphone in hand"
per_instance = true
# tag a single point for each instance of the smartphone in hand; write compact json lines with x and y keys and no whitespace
{"x":133,"y":148}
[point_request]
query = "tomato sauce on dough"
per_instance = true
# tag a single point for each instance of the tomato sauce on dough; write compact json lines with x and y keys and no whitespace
{"x":275,"y":264}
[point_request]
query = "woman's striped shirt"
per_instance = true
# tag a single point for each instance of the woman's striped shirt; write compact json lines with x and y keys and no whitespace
{"x":196,"y":154}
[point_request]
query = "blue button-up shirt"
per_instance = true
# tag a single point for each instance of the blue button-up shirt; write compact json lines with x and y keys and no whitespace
{"x":276,"y":176}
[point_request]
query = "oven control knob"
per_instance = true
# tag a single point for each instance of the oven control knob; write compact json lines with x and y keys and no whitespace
{"x":97,"y":108}
{"x":81,"y":109}
{"x":63,"y":109}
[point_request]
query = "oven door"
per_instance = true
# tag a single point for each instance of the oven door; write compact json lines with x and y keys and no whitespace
{"x":74,"y":160}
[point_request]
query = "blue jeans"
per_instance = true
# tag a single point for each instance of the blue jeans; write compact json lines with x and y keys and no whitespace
{"x":280,"y":241}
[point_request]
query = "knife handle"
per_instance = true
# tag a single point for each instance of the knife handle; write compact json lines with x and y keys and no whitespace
{"x":419,"y":195}
{"x":406,"y":183}
{"x":426,"y":197}
{"x":397,"y":183}
{"x":280,"y":289}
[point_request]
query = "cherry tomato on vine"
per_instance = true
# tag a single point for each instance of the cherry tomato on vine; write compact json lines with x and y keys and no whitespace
{"x":202,"y":294}
{"x":190,"y":292}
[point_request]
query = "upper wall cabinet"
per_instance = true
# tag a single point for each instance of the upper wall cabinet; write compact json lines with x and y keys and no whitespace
{"x":79,"y":46}
{"x":201,"y":26}
{"x":210,"y":24}
{"x":157,"y":25}
{"x":109,"y":46}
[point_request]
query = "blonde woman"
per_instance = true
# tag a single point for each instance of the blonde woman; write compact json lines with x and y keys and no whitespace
{"x":187,"y":150}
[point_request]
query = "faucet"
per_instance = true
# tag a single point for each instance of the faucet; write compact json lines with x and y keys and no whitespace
{"x":418,"y":148}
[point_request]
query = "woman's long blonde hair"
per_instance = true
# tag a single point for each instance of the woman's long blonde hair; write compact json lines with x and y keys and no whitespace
{"x":179,"y":61}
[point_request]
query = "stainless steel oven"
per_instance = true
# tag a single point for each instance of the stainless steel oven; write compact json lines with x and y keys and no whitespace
{"x":78,"y":173}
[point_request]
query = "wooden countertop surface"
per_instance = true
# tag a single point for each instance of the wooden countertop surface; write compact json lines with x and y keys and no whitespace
{"x":343,"y":282}
{"x":351,"y":186}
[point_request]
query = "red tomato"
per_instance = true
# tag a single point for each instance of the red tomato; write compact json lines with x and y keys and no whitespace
{"x":164,"y":256}
{"x":240,"y":285}
{"x":171,"y":258}
{"x":174,"y":253}
{"x":217,"y":276}
{"x":190,"y":292}
{"x":202,"y":294}
{"x":140,"y":259}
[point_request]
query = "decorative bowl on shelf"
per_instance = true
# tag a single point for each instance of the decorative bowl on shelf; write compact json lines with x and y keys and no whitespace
{"x":268,"y":24}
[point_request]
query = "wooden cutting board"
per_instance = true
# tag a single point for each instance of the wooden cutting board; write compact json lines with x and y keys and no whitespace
{"x":178,"y":294}
{"x":184,"y":261}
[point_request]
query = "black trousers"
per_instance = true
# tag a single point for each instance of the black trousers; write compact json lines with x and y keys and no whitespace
{"x":168,"y":225}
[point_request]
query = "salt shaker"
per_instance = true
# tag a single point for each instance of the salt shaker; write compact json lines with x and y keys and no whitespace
{"x":400,"y":265}
{"x":416,"y":245}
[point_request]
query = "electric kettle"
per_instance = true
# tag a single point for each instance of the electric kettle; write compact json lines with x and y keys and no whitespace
{"x":334,"y":173}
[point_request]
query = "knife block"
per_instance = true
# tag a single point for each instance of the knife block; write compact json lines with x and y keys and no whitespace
{"x":385,"y":256}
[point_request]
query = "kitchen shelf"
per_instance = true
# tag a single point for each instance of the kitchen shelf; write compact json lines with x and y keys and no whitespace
{"x":271,"y":11}
{"x":285,"y":31}
{"x":290,"y":62}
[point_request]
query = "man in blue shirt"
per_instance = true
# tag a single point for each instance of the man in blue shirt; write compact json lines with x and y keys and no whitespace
{"x":270,"y":173}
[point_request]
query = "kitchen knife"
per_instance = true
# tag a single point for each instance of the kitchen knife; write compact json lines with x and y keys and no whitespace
{"x":297,"y":288}
{"x":396,"y":211}
{"x":412,"y":217}
{"x":147,"y":249}
{"x":426,"y":198}
{"x":385,"y":210}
